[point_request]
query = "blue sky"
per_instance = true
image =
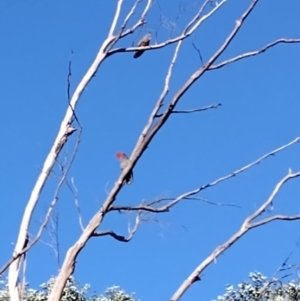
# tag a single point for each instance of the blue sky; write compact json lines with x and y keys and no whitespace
{"x":260,"y":112}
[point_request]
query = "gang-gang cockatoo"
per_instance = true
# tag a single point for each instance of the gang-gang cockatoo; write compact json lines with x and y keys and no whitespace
{"x":145,"y":41}
{"x":124,"y":161}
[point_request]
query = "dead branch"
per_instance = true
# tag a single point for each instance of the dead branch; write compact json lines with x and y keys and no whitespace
{"x":188,"y":30}
{"x":246,"y":226}
{"x":187,"y":195}
{"x":121,"y":238}
{"x":264,"y":206}
{"x":131,"y":13}
{"x":116,"y":17}
{"x":69,"y":263}
{"x":144,"y":141}
{"x":65,"y":131}
{"x":140,"y":22}
{"x":34,"y":241}
{"x":69,"y":77}
{"x":28,"y":245}
{"x":213,"y":203}
{"x":147,"y":208}
{"x":73,"y":189}
{"x":64,"y":138}
{"x":122,"y":32}
{"x":161,"y":99}
{"x":213,"y":106}
{"x":199,"y":52}
{"x":233,"y":174}
{"x":165,"y":208}
{"x":53,"y":233}
{"x":276,"y":217}
{"x":112,"y":234}
{"x":252,"y":53}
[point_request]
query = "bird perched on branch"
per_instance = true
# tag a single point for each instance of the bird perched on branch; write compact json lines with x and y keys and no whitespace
{"x":145,"y":41}
{"x":124,"y":161}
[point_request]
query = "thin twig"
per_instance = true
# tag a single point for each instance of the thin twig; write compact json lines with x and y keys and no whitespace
{"x":73,"y":189}
{"x":199,"y":53}
{"x":121,"y":238}
{"x":214,"y":106}
{"x":129,"y":15}
{"x":253,"y":53}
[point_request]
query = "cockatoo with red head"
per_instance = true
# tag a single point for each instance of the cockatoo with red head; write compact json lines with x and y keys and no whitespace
{"x":124,"y":161}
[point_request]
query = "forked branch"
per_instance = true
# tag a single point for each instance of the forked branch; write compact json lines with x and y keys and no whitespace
{"x":188,"y":30}
{"x":253,"y":53}
{"x":122,"y":238}
{"x":154,"y":208}
{"x":148,"y":133}
{"x":247,"y":225}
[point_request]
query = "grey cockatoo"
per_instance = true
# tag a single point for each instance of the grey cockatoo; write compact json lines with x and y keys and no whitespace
{"x":145,"y":41}
{"x":124,"y":160}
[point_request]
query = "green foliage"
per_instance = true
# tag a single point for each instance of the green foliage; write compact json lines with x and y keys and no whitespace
{"x":258,"y":288}
{"x":72,"y":292}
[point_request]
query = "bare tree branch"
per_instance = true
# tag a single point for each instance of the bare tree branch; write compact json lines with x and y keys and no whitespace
{"x":194,"y":22}
{"x":187,"y":195}
{"x":213,"y":203}
{"x":144,"y":141}
{"x":150,"y":130}
{"x":189,"y":29}
{"x":71,"y":129}
{"x":68,"y":265}
{"x":276,"y":217}
{"x":252,"y":53}
{"x":165,"y":208}
{"x":73,"y":189}
{"x":264,"y":206}
{"x":65,"y":131}
{"x":213,"y":106}
{"x":121,"y":238}
{"x":161,"y":99}
{"x":115,"y":19}
{"x":53,"y":233}
{"x":141,"y":208}
{"x":28,"y":245}
{"x":246,"y":226}
{"x":112,"y":40}
{"x":233,"y":174}
{"x":34,"y":241}
{"x":129,"y":15}
{"x":140,"y":22}
{"x":112,"y":234}
{"x":69,"y":76}
{"x":199,"y":52}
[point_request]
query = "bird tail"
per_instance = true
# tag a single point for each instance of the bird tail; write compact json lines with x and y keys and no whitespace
{"x":129,"y":179}
{"x":138,"y":54}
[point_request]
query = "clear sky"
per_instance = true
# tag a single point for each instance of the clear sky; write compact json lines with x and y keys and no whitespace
{"x":260,"y":111}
